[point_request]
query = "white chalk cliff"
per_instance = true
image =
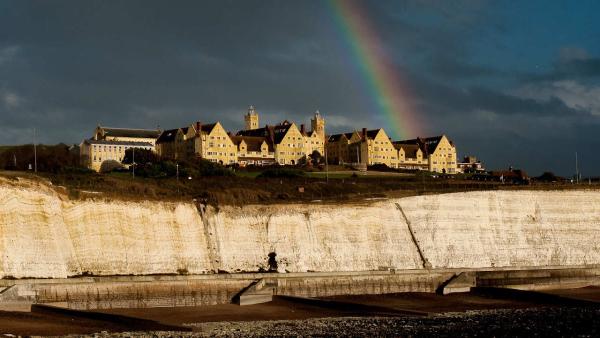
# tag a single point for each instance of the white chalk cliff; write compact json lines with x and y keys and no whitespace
{"x":44,"y":234}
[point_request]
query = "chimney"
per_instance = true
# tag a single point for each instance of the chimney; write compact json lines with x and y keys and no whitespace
{"x":198,"y":126}
{"x":271,"y":134}
{"x":302,"y":129}
{"x":364,"y":133}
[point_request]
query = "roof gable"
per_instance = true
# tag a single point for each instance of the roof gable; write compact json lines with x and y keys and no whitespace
{"x":167,"y":136}
{"x":428,"y":145}
{"x":338,"y":137}
{"x":253,"y":143}
{"x":410,"y":150}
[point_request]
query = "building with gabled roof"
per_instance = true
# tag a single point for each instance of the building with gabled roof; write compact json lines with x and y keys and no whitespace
{"x":371,"y":147}
{"x":375,"y":147}
{"x":282,"y":143}
{"x":211,"y":141}
{"x":338,"y":148}
{"x":286,"y":140}
{"x":368,"y":147}
{"x":172,"y":144}
{"x":290,"y":144}
{"x":165,"y":143}
{"x":253,"y":150}
{"x":438,"y":151}
{"x":410,"y":156}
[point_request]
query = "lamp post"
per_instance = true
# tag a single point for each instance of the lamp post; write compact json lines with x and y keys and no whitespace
{"x":133,"y":160}
{"x":34,"y":152}
{"x":326,"y":166}
{"x":576,"y":169}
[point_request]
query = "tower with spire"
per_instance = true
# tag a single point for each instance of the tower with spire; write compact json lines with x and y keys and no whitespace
{"x":318,"y":125}
{"x":251,"y":119}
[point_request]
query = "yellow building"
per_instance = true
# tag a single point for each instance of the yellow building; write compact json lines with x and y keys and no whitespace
{"x":338,"y":148}
{"x":212,"y":142}
{"x":283,"y":143}
{"x":106,"y":149}
{"x":253,"y":150}
{"x":314,"y":140}
{"x":371,"y":147}
{"x":410,"y":156}
{"x":288,"y":143}
{"x":376,"y":148}
{"x":291,"y":146}
{"x":438,"y":152}
{"x":207,"y":141}
{"x":174,"y":144}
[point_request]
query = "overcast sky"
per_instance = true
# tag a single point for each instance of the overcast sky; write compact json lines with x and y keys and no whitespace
{"x":512,"y":82}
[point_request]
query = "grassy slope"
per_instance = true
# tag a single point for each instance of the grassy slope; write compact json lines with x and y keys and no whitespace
{"x":246,"y":188}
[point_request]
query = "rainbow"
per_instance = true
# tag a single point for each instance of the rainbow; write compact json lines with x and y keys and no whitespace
{"x":378,"y":73}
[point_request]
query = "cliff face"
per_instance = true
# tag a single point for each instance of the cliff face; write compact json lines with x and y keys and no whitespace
{"x":43,"y":234}
{"x":507,"y":228}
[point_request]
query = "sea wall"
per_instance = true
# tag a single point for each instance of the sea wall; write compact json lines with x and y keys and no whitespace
{"x":44,"y":234}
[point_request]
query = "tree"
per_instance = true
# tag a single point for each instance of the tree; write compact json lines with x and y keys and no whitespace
{"x":50,"y":158}
{"x":315,"y":156}
{"x":110,"y":165}
{"x":141,"y":156}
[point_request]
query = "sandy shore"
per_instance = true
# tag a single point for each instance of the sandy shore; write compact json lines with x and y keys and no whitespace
{"x":415,"y":314}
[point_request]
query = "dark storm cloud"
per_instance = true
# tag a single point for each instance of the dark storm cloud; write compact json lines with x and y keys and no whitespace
{"x":439,"y":97}
{"x":584,"y":69}
{"x":453,"y":69}
{"x":67,"y":65}
{"x":123,"y":64}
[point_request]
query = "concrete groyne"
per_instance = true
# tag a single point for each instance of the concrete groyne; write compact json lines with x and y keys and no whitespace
{"x":43,"y":234}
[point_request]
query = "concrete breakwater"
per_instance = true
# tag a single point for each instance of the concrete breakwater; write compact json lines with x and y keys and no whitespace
{"x":171,"y":291}
{"x":89,"y":293}
{"x":43,"y":234}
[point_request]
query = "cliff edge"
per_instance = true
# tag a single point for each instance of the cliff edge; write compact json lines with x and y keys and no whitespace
{"x":44,"y":234}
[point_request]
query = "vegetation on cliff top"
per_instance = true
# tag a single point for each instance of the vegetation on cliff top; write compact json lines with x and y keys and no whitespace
{"x":215,"y":184}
